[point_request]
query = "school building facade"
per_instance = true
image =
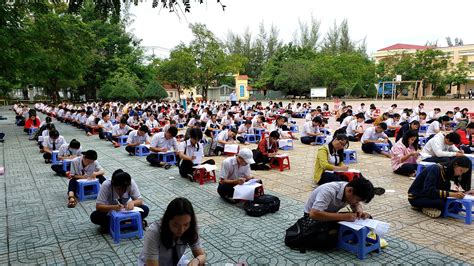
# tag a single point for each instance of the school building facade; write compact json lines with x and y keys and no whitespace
{"x":455,"y":54}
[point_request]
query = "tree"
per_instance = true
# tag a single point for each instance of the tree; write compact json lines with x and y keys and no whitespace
{"x":371,"y":91}
{"x":295,"y":77}
{"x":358,"y":91}
{"x":124,"y":89}
{"x":154,"y":91}
{"x":307,"y":36}
{"x":339,"y":92}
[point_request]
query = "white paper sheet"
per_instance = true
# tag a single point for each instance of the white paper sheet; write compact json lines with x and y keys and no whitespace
{"x":231,"y":148}
{"x":135,"y":209}
{"x":246,"y":191}
{"x":466,"y":197}
{"x":208,"y":167}
{"x":85,"y":180}
{"x":380,"y":228}
{"x":281,"y":155}
{"x":285,"y":142}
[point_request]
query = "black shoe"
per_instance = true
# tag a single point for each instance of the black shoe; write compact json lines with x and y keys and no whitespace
{"x":379,"y":191}
{"x":144,"y":223}
{"x":167,"y":166}
{"x":191,"y":177}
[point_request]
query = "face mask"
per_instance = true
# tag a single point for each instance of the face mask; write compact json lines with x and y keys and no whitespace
{"x":73,"y":151}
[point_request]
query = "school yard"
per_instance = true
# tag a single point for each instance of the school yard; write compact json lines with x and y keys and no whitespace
{"x":36,"y":227}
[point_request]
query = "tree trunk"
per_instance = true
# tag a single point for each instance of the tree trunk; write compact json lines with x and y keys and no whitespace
{"x":25,"y":94}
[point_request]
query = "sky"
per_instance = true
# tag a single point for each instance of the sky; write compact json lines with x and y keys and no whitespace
{"x":381,"y":22}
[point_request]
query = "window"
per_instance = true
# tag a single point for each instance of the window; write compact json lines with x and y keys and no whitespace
{"x":471,"y":65}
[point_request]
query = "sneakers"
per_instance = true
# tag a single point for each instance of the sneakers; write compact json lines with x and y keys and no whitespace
{"x":431,"y":212}
{"x":191,"y":177}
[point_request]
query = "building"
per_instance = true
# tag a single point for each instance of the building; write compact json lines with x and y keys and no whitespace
{"x":220,"y":93}
{"x":454,"y":53}
{"x":172,"y":91}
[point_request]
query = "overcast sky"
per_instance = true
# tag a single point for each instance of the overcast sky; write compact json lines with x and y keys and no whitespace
{"x":382,"y":22}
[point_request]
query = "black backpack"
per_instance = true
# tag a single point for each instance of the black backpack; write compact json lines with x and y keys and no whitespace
{"x":262,"y":205}
{"x":310,"y":234}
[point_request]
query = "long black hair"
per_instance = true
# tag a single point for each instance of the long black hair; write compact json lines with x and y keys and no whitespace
{"x":410,"y":134}
{"x":340,"y":153}
{"x":465,"y":179}
{"x":177,"y":207}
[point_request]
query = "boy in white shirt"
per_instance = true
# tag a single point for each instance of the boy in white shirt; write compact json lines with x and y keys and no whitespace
{"x":374,"y":135}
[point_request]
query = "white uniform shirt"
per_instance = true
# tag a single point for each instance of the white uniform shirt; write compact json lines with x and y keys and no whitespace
{"x":436,"y":147}
{"x":48,"y":142}
{"x":371,"y":134}
{"x":231,"y":170}
{"x":190,"y":150}
{"x":133,"y":138}
{"x":309,"y":128}
{"x":107,"y":126}
{"x":159,"y":141}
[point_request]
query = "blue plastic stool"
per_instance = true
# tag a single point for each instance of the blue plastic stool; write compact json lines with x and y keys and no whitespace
{"x":383,"y":146}
{"x":421,"y":166}
{"x":320,"y":140}
{"x":357,"y":242}
{"x":141,"y":150}
{"x":66,"y":164}
{"x":350,"y":156}
{"x":252,"y":138}
{"x":87,"y":189}
{"x":287,"y":147}
{"x":453,"y":211}
{"x":117,"y":224}
{"x":216,"y":132}
{"x":180,"y":126}
{"x":54,"y":158}
{"x":259,"y":132}
{"x":422,"y":141}
{"x":325,"y":131}
{"x":32,"y":131}
{"x":294,"y":129}
{"x":423,"y":128}
{"x":122,"y":140}
{"x":167,"y":157}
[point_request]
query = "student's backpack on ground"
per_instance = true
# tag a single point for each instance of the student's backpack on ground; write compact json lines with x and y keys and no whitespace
{"x":310,"y":234}
{"x":262,"y":205}
{"x":210,"y":147}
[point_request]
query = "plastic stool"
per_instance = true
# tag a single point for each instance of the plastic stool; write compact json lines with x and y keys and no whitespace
{"x":259,"y":132}
{"x":289,"y":145}
{"x":294,"y":129}
{"x":423,"y":128}
{"x":453,"y":211}
{"x":422,"y":141}
{"x":421,"y":166}
{"x":201,"y":175}
{"x":350,"y":156}
{"x":141,"y":150}
{"x":32,"y":131}
{"x":87,"y":189}
{"x":357,"y":242}
{"x":281,"y":165}
{"x":179,"y":126}
{"x":94,"y":130}
{"x":122,"y":140}
{"x":66,"y":164}
{"x":252,"y":138}
{"x":167,"y":157}
{"x":320,"y":140}
{"x":325,"y":131}
{"x":383,"y":146}
{"x":54,"y":157}
{"x":117,"y":224}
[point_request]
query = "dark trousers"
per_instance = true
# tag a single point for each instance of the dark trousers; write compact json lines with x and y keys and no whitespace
{"x":58,"y":168}
{"x":218,"y":150}
{"x":370,"y":121}
{"x":154,"y":160}
{"x":329,"y":177}
{"x":424,"y":202}
{"x":308,"y":139}
{"x":72,"y":187}
{"x":101,"y":134}
{"x":466,"y":149}
{"x":47,"y":156}
{"x":130,"y":149}
{"x":406,"y":169}
{"x":103,"y":219}
{"x":241,"y":139}
{"x":226,"y":191}
{"x":390,"y":133}
{"x":371,"y":147}
{"x":353,"y":138}
{"x":186,"y":167}
{"x":438,"y":159}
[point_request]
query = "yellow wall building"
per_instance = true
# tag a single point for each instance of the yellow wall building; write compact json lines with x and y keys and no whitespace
{"x":241,"y":87}
{"x":455,"y":54}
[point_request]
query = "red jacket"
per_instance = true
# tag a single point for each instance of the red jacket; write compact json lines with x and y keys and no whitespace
{"x":265,"y":147}
{"x":464,"y":137}
{"x":29,"y":123}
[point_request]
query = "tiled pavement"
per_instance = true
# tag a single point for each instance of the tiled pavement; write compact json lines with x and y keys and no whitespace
{"x":36,"y":227}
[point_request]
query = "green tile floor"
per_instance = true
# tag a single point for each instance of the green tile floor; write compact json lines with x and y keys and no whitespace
{"x":36,"y":227}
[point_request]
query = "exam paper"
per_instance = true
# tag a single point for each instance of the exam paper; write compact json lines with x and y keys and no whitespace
{"x":245,"y":191}
{"x":208,"y":167}
{"x":380,"y":228}
{"x":231,"y":148}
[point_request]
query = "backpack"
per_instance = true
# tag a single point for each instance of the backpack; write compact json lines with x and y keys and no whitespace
{"x":307,"y":233}
{"x":210,"y":147}
{"x":262,"y":205}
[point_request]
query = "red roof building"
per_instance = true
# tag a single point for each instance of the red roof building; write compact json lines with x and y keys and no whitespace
{"x":402,"y":46}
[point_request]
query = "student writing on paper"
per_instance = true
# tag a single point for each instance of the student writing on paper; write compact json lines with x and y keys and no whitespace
{"x":465,"y":132}
{"x":405,"y":153}
{"x":311,"y":130}
{"x":67,"y":152}
{"x":441,"y":148}
{"x":166,"y":240}
{"x":433,"y":185}
{"x":84,"y":167}
{"x":374,"y":135}
{"x":224,"y":137}
{"x":191,"y":152}
{"x":119,"y":193}
{"x":321,"y":212}
{"x":162,"y":142}
{"x":234,"y":171}
{"x":267,"y":148}
{"x":118,"y":130}
{"x":52,"y":143}
{"x":330,"y":157}
{"x":137,"y":138}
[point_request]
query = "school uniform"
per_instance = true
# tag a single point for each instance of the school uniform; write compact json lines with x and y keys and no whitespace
{"x":105,"y":127}
{"x":159,"y":141}
{"x":351,"y":130}
{"x":430,"y":189}
{"x":186,"y":166}
{"x":309,"y":128}
{"x":108,"y":196}
{"x":65,"y":151}
{"x":371,"y":134}
{"x":435,"y":150}
{"x":230,"y":170}
{"x":53,"y":145}
{"x":222,"y":136}
{"x":210,"y":124}
{"x":134,"y":138}
{"x":78,"y":168}
{"x":244,"y":130}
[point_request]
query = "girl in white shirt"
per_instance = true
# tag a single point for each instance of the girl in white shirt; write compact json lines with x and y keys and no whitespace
{"x":191,"y":153}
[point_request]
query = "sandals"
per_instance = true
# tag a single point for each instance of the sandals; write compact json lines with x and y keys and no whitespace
{"x":71,"y":204}
{"x":379,"y":191}
{"x":167,"y":166}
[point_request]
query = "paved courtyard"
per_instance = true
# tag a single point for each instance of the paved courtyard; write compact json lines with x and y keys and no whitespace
{"x":36,"y":227}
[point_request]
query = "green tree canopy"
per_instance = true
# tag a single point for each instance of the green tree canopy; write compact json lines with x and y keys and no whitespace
{"x":154,"y":91}
{"x":358,"y":91}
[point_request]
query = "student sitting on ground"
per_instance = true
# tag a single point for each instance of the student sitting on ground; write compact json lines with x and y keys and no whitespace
{"x":235,"y":170}
{"x":321,"y":212}
{"x":162,"y":142}
{"x":373,"y":135}
{"x":441,"y":148}
{"x":280,"y":126}
{"x":465,"y":133}
{"x":52,"y":143}
{"x":152,"y":124}
{"x":330,"y":158}
{"x":191,"y":153}
{"x":224,"y":137}
{"x":432,"y":186}
{"x":414,"y":125}
{"x":32,"y":122}
{"x":69,"y":152}
{"x":381,"y":118}
{"x":45,"y":134}
{"x":166,"y":240}
{"x":119,"y":193}
{"x":267,"y":148}
{"x":134,"y":121}
{"x":369,"y":115}
{"x":355,"y":129}
{"x":392,"y":125}
{"x":311,"y":130}
{"x":137,"y":138}
{"x":405,"y":153}
{"x":212,"y":125}
{"x":84,"y":167}
{"x":121,"y":129}
{"x":437,"y":126}
{"x":433,"y":115}
{"x":244,"y":128}
{"x":105,"y":125}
